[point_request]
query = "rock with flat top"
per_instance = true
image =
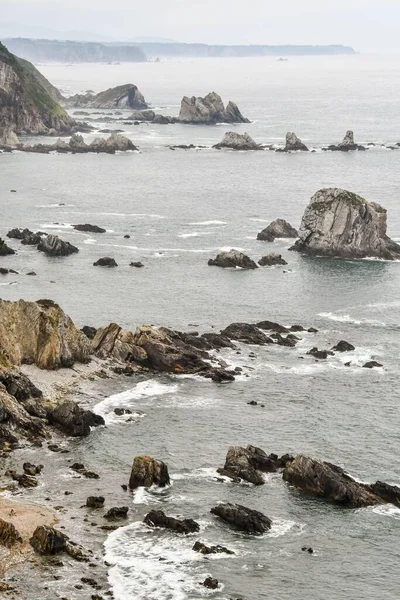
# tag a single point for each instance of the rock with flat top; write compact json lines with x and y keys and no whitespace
{"x":246,"y":333}
{"x":232,"y":259}
{"x":339,"y":223}
{"x":147,"y":471}
{"x":86,"y":227}
{"x":245,"y":519}
{"x":237,"y":141}
{"x":106,"y":261}
{"x":277,"y":229}
{"x":209,"y":110}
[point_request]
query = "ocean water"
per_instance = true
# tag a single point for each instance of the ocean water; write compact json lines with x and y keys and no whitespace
{"x":180,"y":208}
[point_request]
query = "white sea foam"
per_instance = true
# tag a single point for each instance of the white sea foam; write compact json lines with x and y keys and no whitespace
{"x":387,"y":510}
{"x":282,"y":526}
{"x":209,"y":223}
{"x":56,"y":226}
{"x":194,"y":234}
{"x":9,"y":283}
{"x":348,"y":319}
{"x":201,"y":473}
{"x":90,"y":241}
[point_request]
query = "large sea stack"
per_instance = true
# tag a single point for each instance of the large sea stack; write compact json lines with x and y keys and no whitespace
{"x":341,"y":224}
{"x":122,"y":96}
{"x":209,"y":110}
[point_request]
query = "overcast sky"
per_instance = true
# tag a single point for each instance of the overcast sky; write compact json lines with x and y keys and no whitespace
{"x":367,"y":25}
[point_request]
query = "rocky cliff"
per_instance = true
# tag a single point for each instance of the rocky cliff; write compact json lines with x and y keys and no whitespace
{"x":25,"y":105}
{"x":338,"y":223}
{"x":122,"y":96}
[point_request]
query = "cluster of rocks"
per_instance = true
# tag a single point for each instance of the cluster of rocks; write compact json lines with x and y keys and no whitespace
{"x":235,"y":259}
{"x":209,"y":110}
{"x":49,"y":244}
{"x":77,"y":145}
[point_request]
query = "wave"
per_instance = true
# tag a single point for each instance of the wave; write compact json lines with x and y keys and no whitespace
{"x":387,"y":510}
{"x":56,"y":226}
{"x":348,"y":319}
{"x":209,"y":223}
{"x":194,"y":234}
{"x":9,"y":283}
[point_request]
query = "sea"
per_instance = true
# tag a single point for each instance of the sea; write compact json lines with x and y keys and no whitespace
{"x":180,"y":207}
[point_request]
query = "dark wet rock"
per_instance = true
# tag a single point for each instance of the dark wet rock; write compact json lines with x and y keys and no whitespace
{"x":272,"y":326}
{"x":328,"y":481}
{"x":209,"y":109}
{"x":95,"y":501}
{"x":287,"y":341}
{"x":52,"y":245}
{"x":89,"y":228}
{"x":90,"y":332}
{"x":217,"y":340}
{"x":245,"y":519}
{"x":338,"y":223}
{"x":372,"y":364}
{"x":122,"y":411}
{"x":232,"y":258}
{"x":4,"y":271}
{"x":9,"y":536}
{"x":277,"y":229}
{"x":19,"y":385}
{"x":138,"y":265}
{"x":312,"y":330}
{"x":204,"y":549}
{"x":72,"y":419}
{"x":320,"y":354}
{"x":210,"y":583}
{"x":346,"y":145}
{"x":31,"y":469}
{"x":343,"y":346}
{"x":307,"y":549}
{"x":127,"y":236}
{"x":4,"y":249}
{"x":272,"y":259}
{"x":80,"y":468}
{"x":388,"y":493}
{"x":116,"y":513}
{"x":157,"y":518}
{"x":251,"y":462}
{"x":237,"y":141}
{"x":247,"y":333}
{"x":26,"y":481}
{"x":106,"y":261}
{"x":48,"y":541}
{"x":147,"y":471}
{"x":222,"y":376}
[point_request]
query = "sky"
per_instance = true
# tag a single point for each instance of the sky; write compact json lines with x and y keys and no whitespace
{"x":367,"y":25}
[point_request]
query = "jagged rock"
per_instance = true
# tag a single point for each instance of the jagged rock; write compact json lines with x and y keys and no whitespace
{"x":115,"y":143}
{"x":293,"y":143}
{"x":247,"y":333}
{"x":16,"y":421}
{"x":89,"y":228}
{"x":90,"y":332}
{"x":217,"y":340}
{"x":9,"y":138}
{"x":289,"y":341}
{"x":222,"y":376}
{"x":147,"y":471}
{"x":203,"y":549}
{"x":250,"y":463}
{"x":95,"y":501}
{"x":106,"y":261}
{"x":27,"y":237}
{"x":277,"y":229}
{"x":42,"y":334}
{"x":4,"y":249}
{"x":122,"y":96}
{"x":388,"y":493}
{"x":232,"y":258}
{"x":338,"y":223}
{"x":346,"y":145}
{"x":19,"y":385}
{"x":157,"y":518}
{"x":237,"y":141}
{"x":9,"y":536}
{"x":116,"y":513}
{"x":114,"y":341}
{"x":48,"y":541}
{"x":372,"y":364}
{"x":245,"y":519}
{"x":26,"y":481}
{"x":210,"y":583}
{"x":343,"y":346}
{"x":272,"y":259}
{"x":210,"y":109}
{"x":72,"y":419}
{"x":52,"y":245}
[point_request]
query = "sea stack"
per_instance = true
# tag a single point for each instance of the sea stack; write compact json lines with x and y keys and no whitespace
{"x":346,"y":145}
{"x":339,"y":223}
{"x":237,"y":141}
{"x":293,"y":143}
{"x":209,"y":110}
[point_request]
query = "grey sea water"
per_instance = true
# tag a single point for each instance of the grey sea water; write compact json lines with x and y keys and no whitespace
{"x":180,"y":208}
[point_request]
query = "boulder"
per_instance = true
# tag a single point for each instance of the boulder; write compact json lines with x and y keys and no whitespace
{"x":293,"y":144}
{"x":16,"y":422}
{"x":115,"y":143}
{"x":89,"y":228}
{"x":250,"y":463}
{"x":247,"y":333}
{"x":343,"y":346}
{"x":372,"y":364}
{"x":9,"y":138}
{"x":72,"y":419}
{"x":157,"y":518}
{"x":272,"y":259}
{"x":328,"y":481}
{"x":320,"y":354}
{"x":338,"y":223}
{"x":142,"y":115}
{"x":232,"y":258}
{"x":138,"y":265}
{"x":4,"y":271}
{"x":245,"y":519}
{"x":4,"y":249}
{"x":48,"y":541}
{"x":9,"y":536}
{"x":116,"y":513}
{"x":346,"y":145}
{"x":106,"y":261}
{"x":277,"y":229}
{"x":52,"y":245}
{"x":90,"y":332}
{"x":272,"y":326}
{"x":31,"y":469}
{"x":237,"y":141}
{"x":204,"y":549}
{"x":95,"y":501}
{"x":210,"y":583}
{"x":209,"y":109}
{"x":147,"y":471}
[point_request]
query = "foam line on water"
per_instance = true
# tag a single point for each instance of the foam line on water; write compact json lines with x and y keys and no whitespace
{"x":348,"y":319}
{"x":206,"y":223}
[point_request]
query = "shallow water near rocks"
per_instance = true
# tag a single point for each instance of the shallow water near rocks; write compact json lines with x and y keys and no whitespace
{"x":180,"y":208}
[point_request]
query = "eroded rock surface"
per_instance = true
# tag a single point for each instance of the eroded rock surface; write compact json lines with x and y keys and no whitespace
{"x":232,"y":258}
{"x":245,"y":519}
{"x":277,"y":229}
{"x":209,"y":109}
{"x":237,"y":141}
{"x":147,"y":471}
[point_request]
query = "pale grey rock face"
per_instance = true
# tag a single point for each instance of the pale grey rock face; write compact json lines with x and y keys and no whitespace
{"x":294,"y":143}
{"x":277,"y":229}
{"x":142,"y":115}
{"x":348,"y":139}
{"x":339,"y":223}
{"x":209,"y":109}
{"x":9,"y":138}
{"x":122,"y":96}
{"x":238,"y":141}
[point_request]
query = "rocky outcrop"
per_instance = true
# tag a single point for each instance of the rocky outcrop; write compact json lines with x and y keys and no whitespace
{"x":8,"y":138}
{"x":86,"y":227}
{"x":52,"y":245}
{"x":16,"y":422}
{"x":245,"y":519}
{"x":338,"y":223}
{"x":246,"y":333}
{"x":209,"y":110}
{"x":293,"y":144}
{"x":72,"y":419}
{"x":27,"y":237}
{"x":118,"y":343}
{"x":343,"y":346}
{"x":9,"y":536}
{"x":48,"y":541}
{"x":25,"y":105}
{"x":232,"y":258}
{"x":122,"y":96}
{"x":277,"y":229}
{"x":40,"y":333}
{"x":77,"y":145}
{"x":147,"y":471}
{"x":204,"y":549}
{"x":116,"y":513}
{"x":346,"y":145}
{"x":250,"y":463}
{"x":272,"y":259}
{"x":4,"y":249}
{"x":106,"y":261}
{"x":143,"y":115}
{"x":237,"y":141}
{"x":157,"y":518}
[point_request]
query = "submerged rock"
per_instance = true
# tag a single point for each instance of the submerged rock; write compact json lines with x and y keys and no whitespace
{"x":293,"y":143}
{"x":343,"y":346}
{"x":209,"y":109}
{"x":89,"y":228}
{"x":211,"y":583}
{"x":232,"y":258}
{"x":372,"y":364}
{"x":245,"y":519}
{"x":272,"y":259}
{"x":147,"y":471}
{"x":338,"y":223}
{"x":237,"y":141}
{"x":52,"y":245}
{"x":277,"y":229}
{"x":157,"y":518}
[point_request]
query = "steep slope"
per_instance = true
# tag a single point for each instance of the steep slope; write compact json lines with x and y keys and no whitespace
{"x":25,"y":105}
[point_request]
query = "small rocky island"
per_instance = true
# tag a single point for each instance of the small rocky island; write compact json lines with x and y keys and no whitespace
{"x":209,"y":110}
{"x":339,"y":223}
{"x":237,"y":141}
{"x":122,"y":96}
